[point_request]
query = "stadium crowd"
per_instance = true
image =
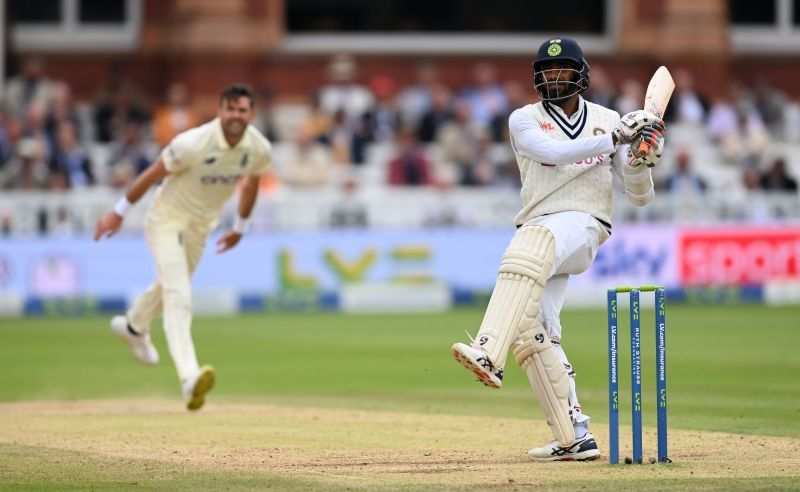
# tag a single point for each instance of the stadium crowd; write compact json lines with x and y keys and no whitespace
{"x":427,"y":134}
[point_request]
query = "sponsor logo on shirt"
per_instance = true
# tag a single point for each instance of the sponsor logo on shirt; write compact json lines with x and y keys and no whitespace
{"x":548,"y":127}
{"x":589,"y":161}
{"x":210,"y":160}
{"x":224,"y":179}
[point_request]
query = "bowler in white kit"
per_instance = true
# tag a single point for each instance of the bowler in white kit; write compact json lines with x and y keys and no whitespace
{"x":568,"y":150}
{"x":200,"y":169}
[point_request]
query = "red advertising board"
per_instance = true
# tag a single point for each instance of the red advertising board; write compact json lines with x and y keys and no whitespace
{"x":738,"y":256}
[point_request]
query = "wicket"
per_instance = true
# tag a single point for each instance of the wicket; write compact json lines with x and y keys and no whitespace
{"x":636,"y":372}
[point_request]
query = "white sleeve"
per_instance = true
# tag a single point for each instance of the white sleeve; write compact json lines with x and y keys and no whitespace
{"x":529,"y":140}
{"x":179,"y":154}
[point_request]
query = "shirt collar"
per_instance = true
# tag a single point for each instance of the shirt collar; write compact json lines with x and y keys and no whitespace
{"x":572,"y":127}
{"x":575,"y":117}
{"x":220,"y":136}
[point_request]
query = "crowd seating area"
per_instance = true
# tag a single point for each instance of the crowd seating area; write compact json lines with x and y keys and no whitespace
{"x":378,"y":155}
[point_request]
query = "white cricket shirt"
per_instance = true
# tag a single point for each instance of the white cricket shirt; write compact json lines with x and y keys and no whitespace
{"x":204,"y":172}
{"x":565,"y":162}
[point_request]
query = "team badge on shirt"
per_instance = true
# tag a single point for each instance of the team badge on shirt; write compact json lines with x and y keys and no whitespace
{"x":245,"y":158}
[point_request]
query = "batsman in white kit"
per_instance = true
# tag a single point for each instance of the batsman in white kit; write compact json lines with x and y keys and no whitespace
{"x":568,"y":150}
{"x":200,"y":169}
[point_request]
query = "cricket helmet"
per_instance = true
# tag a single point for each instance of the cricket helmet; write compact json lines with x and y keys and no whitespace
{"x":565,"y":50}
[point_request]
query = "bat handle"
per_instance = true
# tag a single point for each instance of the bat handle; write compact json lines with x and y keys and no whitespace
{"x":643,"y":149}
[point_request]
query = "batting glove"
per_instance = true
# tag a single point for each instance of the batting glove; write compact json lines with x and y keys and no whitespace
{"x":630,"y":126}
{"x":654,"y":136}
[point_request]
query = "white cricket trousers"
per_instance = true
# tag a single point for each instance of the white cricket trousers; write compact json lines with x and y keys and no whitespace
{"x":577,"y":238}
{"x":176,"y":249}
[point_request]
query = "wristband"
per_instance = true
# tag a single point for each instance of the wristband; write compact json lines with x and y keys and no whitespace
{"x":122,"y":206}
{"x":241,"y":225}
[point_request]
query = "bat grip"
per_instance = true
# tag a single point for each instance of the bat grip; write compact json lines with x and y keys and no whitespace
{"x":643,"y":149}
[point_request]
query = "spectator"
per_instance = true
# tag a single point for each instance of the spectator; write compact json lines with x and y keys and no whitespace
{"x":415,"y":101}
{"x":122,"y":103}
{"x":384,"y":115}
{"x":349,"y":211}
{"x":751,"y":179}
{"x":10,"y":132}
{"x":35,"y":127}
{"x":601,"y":91}
{"x":265,"y":115}
{"x":175,"y":116}
{"x":776,"y":179}
{"x":771,"y":105}
{"x":722,"y":118}
{"x":318,"y":122}
{"x":686,"y":105}
{"x":409,"y":167}
{"x":458,"y":139}
{"x":517,"y":96}
{"x":747,"y":141}
{"x":28,"y":168}
{"x":343,"y":93}
{"x":27,"y":88}
{"x":128,"y":156}
{"x":6,"y":226}
{"x":341,"y":138}
{"x":792,"y":123}
{"x":631,"y":97}
{"x":61,"y":109}
{"x":71,"y":159}
{"x":447,"y":210}
{"x":753,"y":207}
{"x":57,"y":181}
{"x":309,"y":163}
{"x":486,"y":98}
{"x":439,"y":113}
{"x":64,"y":224}
{"x":480,"y":169}
{"x":684,"y":183}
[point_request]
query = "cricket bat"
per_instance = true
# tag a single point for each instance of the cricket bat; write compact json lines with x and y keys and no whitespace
{"x":659,"y":90}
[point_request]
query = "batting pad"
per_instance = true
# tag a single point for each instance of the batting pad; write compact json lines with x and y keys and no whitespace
{"x":542,"y":363}
{"x":520,"y":283}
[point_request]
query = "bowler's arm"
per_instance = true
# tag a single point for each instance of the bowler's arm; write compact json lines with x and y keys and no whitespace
{"x":247,"y":200}
{"x":109,"y":224}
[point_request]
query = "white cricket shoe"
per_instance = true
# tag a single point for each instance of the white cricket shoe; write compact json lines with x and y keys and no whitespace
{"x":476,"y":361}
{"x":195,"y":389}
{"x":583,"y":449}
{"x":140,"y":344}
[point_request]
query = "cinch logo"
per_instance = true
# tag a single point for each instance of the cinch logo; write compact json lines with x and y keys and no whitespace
{"x":589,"y":161}
{"x":738,"y":256}
{"x":548,"y":127}
{"x":598,"y":159}
{"x":213,"y":179}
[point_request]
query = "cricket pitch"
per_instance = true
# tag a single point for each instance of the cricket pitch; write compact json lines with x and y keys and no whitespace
{"x":156,"y":444}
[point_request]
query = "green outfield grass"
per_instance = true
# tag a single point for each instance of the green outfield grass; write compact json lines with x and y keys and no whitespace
{"x":732,"y":369}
